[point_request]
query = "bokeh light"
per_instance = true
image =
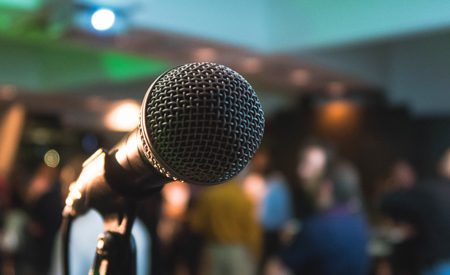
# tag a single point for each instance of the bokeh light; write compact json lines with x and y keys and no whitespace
{"x":103,"y":19}
{"x":90,"y":142}
{"x":51,"y":158}
{"x":123,"y":118}
{"x":340,"y":118}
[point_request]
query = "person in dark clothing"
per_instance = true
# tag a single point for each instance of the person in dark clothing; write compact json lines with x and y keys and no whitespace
{"x":44,"y":198}
{"x":424,"y":209}
{"x":405,"y":255}
{"x":47,"y":219}
{"x":420,"y":211}
{"x":333,"y":240}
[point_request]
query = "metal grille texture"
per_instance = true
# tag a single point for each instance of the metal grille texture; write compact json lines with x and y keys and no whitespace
{"x":203,"y":123}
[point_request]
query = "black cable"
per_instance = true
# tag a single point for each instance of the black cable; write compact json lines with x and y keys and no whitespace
{"x":65,"y":231}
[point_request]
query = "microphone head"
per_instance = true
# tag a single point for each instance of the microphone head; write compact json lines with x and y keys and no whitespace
{"x":201,"y":123}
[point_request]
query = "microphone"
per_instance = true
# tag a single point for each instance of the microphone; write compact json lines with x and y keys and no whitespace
{"x":200,"y":123}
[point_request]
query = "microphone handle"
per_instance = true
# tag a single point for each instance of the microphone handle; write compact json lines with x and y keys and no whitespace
{"x":111,"y":180}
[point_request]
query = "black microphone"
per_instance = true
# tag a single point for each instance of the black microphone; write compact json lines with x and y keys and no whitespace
{"x":200,"y":123}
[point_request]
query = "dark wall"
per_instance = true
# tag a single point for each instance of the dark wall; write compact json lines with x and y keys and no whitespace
{"x":432,"y":139}
{"x":370,"y":135}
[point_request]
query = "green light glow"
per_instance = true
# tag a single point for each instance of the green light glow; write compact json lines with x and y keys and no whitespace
{"x":120,"y":67}
{"x":21,"y":4}
{"x":46,"y":65}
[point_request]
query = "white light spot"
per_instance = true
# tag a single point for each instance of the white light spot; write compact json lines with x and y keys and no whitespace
{"x":103,"y":19}
{"x":300,"y":77}
{"x":124,"y":118}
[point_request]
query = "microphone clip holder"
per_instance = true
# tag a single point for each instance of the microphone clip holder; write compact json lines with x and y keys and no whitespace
{"x":115,"y":255}
{"x":116,"y":249}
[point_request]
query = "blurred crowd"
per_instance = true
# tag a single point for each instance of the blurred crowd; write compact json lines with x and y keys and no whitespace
{"x":261,"y":222}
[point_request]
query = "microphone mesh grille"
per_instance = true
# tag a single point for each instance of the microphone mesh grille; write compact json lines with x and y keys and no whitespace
{"x":204,"y":121}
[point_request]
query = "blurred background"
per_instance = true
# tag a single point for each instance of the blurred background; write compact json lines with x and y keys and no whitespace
{"x":372,"y":77}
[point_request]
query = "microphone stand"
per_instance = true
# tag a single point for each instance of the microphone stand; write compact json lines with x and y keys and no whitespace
{"x":101,"y":174}
{"x":116,"y":247}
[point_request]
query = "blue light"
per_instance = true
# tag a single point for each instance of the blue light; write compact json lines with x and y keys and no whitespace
{"x":90,"y":142}
{"x":103,"y":19}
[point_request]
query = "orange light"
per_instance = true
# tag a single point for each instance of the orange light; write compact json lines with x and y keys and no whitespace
{"x":338,"y":111}
{"x":251,"y":65}
{"x":205,"y":55}
{"x":176,"y":197}
{"x":123,"y":118}
{"x":254,"y":186}
{"x":339,"y":117}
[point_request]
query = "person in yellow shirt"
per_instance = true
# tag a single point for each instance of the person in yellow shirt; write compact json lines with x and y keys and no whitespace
{"x":226,"y":218}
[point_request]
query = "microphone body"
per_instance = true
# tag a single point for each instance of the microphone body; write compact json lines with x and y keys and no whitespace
{"x":111,"y":179}
{"x":200,"y":123}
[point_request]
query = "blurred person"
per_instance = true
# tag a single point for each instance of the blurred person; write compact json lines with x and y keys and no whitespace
{"x":14,"y":220}
{"x":173,"y":230}
{"x":44,"y":199}
{"x":4,"y":203}
{"x":421,"y":214}
{"x":255,"y":188}
{"x":404,"y":248}
{"x":226,"y":217}
{"x":5,"y":193}
{"x":333,"y":239}
{"x":443,"y":167}
{"x":12,"y":238}
{"x":254,"y":182}
{"x":149,"y":212}
{"x":403,"y":175}
{"x":44,"y":180}
{"x":275,"y":212}
{"x":315,"y":161}
{"x":275,"y":205}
